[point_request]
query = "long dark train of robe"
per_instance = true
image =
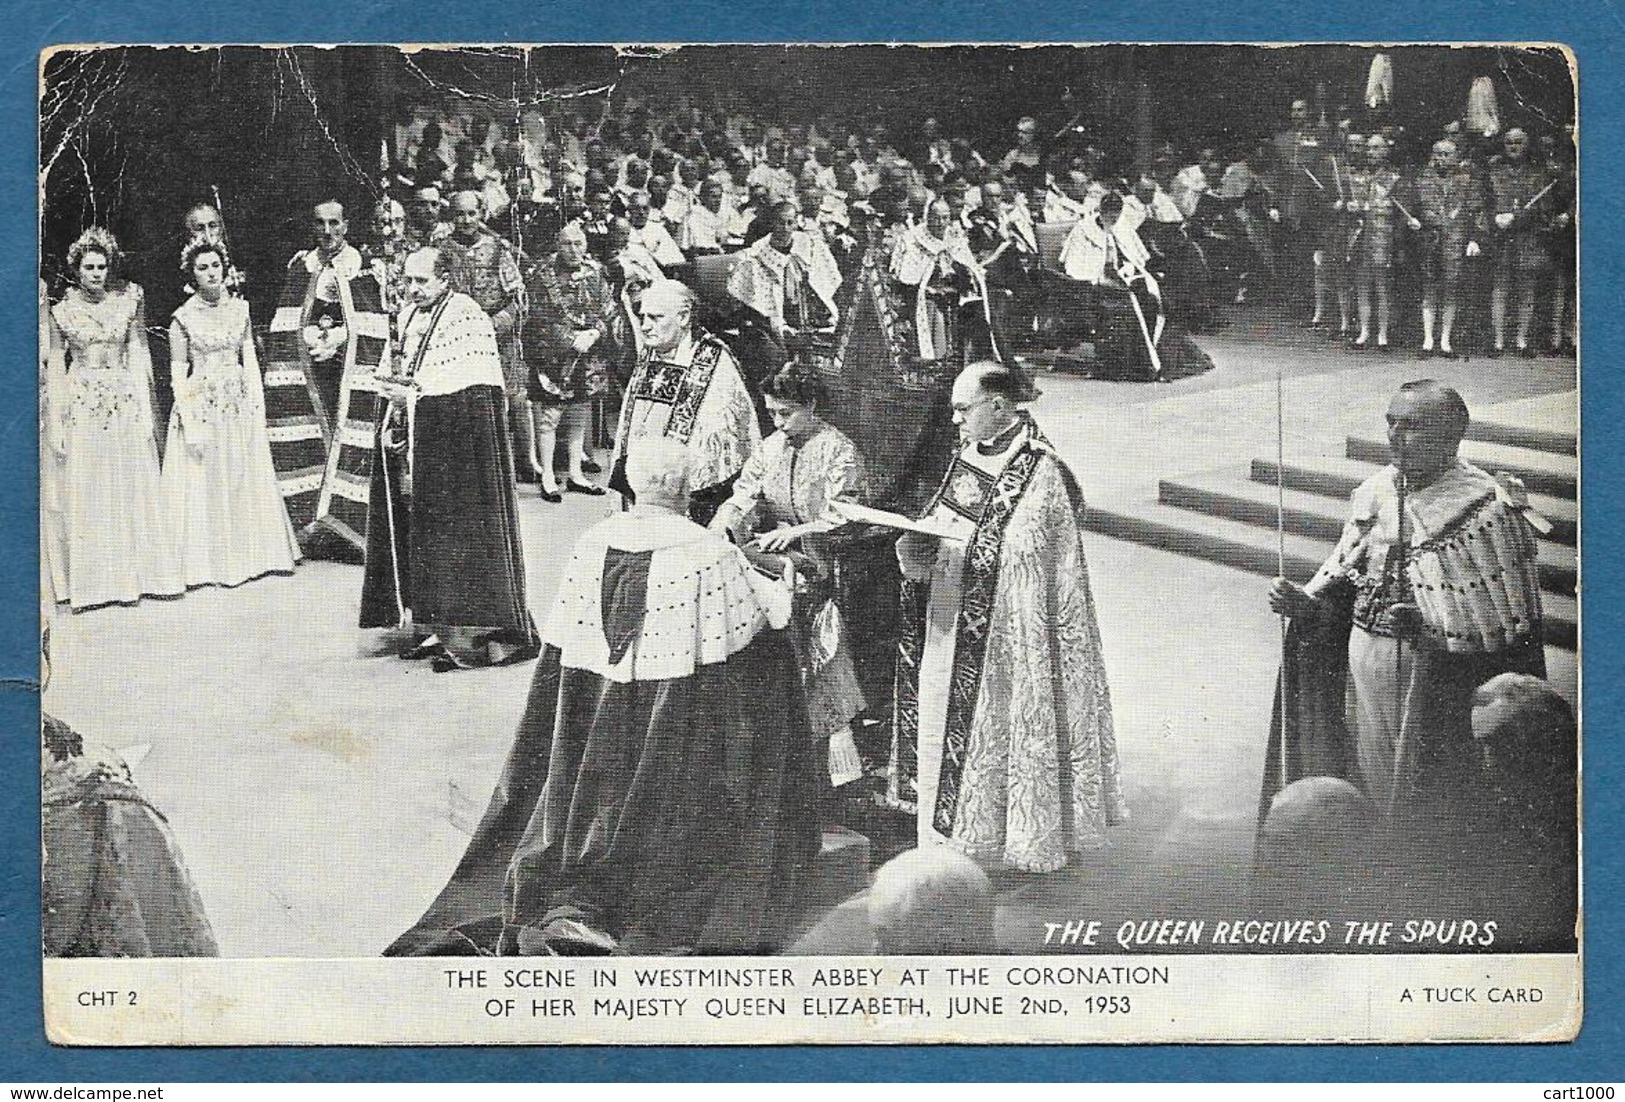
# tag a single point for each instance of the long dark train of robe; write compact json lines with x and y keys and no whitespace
{"x":1438,"y":850}
{"x":461,"y":564}
{"x":677,"y":815}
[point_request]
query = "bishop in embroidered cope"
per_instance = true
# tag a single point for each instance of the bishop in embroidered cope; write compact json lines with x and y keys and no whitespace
{"x":687,"y":387}
{"x":1003,"y":741}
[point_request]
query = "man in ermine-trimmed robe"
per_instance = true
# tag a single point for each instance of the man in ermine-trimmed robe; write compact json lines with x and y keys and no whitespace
{"x":787,"y":283}
{"x":1103,"y":249}
{"x":443,"y":546}
{"x":1003,"y":744}
{"x":687,"y":387}
{"x":941,"y":274}
{"x":1412,"y":635}
{"x":327,"y":341}
{"x":661,"y":793}
{"x":650,"y":233}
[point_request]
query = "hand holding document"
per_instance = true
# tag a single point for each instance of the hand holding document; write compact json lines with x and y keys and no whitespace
{"x":863,"y":514}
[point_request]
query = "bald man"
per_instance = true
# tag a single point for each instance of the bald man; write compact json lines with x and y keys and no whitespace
{"x":687,"y":387}
{"x":1003,"y":744}
{"x":443,"y":546}
{"x":490,"y":275}
{"x":1431,"y":605}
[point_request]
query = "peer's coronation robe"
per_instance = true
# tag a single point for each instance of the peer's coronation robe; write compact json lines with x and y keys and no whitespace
{"x":660,"y":795}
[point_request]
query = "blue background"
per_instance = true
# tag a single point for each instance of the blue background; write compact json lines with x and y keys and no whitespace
{"x":1591,"y":27}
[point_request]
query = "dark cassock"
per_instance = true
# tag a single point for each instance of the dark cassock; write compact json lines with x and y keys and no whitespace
{"x":1003,"y":742}
{"x":327,"y":340}
{"x":660,"y":796}
{"x":443,"y":530}
{"x":690,"y":391}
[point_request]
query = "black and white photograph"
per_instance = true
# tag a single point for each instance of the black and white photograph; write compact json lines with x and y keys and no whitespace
{"x":715,"y":544}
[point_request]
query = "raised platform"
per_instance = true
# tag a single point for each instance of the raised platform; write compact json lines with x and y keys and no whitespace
{"x":1230,"y":516}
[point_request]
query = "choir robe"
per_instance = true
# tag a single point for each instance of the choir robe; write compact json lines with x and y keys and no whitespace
{"x":1003,"y":744}
{"x":443,"y":527}
{"x":696,"y":396}
{"x":661,"y":789}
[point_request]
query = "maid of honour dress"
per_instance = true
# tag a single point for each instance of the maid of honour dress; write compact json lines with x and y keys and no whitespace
{"x":115,"y":538}
{"x":220,"y":489}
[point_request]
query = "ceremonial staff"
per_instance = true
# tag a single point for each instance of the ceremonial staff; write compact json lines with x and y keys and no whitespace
{"x":225,"y":238}
{"x":1280,"y":550}
{"x":1397,"y":564}
{"x":233,"y":277}
{"x":1537,"y":197}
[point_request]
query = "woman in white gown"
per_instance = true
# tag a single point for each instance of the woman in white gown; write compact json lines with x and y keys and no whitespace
{"x":100,"y":425}
{"x":220,"y":489}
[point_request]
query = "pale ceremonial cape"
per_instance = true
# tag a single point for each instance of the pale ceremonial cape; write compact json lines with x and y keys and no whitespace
{"x":1471,"y":561}
{"x":918,"y":258}
{"x":660,"y":792}
{"x":1093,"y":254}
{"x":1003,"y":742}
{"x":711,"y":603}
{"x":759,"y":279}
{"x":1396,"y":718}
{"x":657,"y":240}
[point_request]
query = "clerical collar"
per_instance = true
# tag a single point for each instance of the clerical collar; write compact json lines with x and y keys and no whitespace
{"x":1000,"y":443}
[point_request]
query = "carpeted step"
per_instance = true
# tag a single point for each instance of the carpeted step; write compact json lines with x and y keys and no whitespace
{"x":1214,"y":538}
{"x":1318,"y":517}
{"x":1530,"y":437}
{"x":1541,"y":472}
{"x":1336,"y":478}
